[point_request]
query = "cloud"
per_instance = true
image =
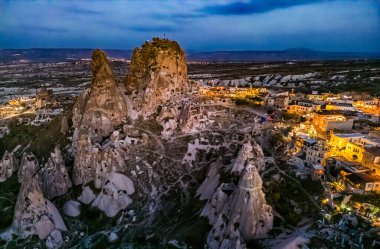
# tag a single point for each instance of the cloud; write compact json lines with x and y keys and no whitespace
{"x":33,"y":28}
{"x":154,"y":28}
{"x":82,"y":11}
{"x":251,"y":7}
{"x":143,"y":28}
{"x":178,"y":16}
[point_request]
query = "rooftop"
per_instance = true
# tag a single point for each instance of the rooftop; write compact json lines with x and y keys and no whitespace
{"x":349,"y":135}
{"x":318,"y":167}
{"x":358,"y":178}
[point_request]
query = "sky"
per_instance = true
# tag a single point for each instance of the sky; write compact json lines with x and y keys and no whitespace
{"x":198,"y":25}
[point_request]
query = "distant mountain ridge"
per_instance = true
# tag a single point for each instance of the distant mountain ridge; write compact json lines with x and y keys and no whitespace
{"x":59,"y":54}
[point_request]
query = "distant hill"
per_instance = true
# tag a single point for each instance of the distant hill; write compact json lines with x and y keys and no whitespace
{"x":282,"y":55}
{"x":54,"y":55}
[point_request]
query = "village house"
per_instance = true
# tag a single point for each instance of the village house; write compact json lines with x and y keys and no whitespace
{"x":355,"y":149}
{"x":317,"y":171}
{"x":303,"y":108}
{"x":371,"y":159}
{"x":327,"y":122}
{"x":316,"y":152}
{"x":340,"y":140}
{"x":341,"y":163}
{"x":340,"y":107}
{"x":280,"y":100}
{"x":371,"y":105}
{"x":315,"y":96}
{"x":360,"y":183}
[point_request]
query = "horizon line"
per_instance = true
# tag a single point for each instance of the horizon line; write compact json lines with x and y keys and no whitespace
{"x":207,"y":51}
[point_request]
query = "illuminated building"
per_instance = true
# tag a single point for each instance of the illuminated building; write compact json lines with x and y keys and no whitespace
{"x":360,"y":183}
{"x":340,"y":107}
{"x":327,"y":122}
{"x":303,"y":108}
{"x":371,"y":159}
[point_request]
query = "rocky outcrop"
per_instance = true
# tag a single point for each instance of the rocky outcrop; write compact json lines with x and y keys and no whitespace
{"x":209,"y":185}
{"x":64,"y":125}
{"x":86,"y":157}
{"x":35,"y":215}
{"x":8,"y":165}
{"x":214,"y":206}
{"x":168,"y":120}
{"x":245,"y":214}
{"x":96,"y":114}
{"x":115,"y":193}
{"x":95,"y":162}
{"x":28,"y":166}
{"x":102,"y":107}
{"x":249,"y":153}
{"x":56,"y":180}
{"x":158,"y":73}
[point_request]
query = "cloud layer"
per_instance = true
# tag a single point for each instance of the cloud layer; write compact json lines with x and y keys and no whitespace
{"x":197,"y":24}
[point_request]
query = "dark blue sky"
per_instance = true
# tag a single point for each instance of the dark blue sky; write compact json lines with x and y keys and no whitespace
{"x":195,"y":24}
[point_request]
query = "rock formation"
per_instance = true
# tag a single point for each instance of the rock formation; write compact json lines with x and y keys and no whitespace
{"x":102,"y":107}
{"x":28,"y":166}
{"x":245,"y":214}
{"x":114,"y":195}
{"x":64,"y":125}
{"x":35,"y":215}
{"x":8,"y":165}
{"x":158,"y":73}
{"x":214,"y":206}
{"x":94,"y":162}
{"x":56,"y":180}
{"x":87,"y":195}
{"x":71,"y":208}
{"x":207,"y":188}
{"x":96,"y":114}
{"x":249,"y":153}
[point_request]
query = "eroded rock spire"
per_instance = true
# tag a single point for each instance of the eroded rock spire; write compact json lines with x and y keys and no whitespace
{"x":158,"y":73}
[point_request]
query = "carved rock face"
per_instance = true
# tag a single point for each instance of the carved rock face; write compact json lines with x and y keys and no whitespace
{"x":157,"y":73}
{"x":34,"y":215}
{"x":115,"y":194}
{"x":245,"y":214}
{"x":95,"y":115}
{"x":56,"y":180}
{"x":237,"y":213}
{"x":8,"y":165}
{"x":28,"y":166}
{"x":93,"y":163}
{"x":99,"y":109}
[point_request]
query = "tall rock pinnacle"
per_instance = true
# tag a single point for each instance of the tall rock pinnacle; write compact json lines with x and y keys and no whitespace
{"x":99,"y":109}
{"x":245,"y":214}
{"x":158,"y":73}
{"x":96,"y":114}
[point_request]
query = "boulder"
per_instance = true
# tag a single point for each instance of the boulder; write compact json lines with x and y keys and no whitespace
{"x":87,"y":195}
{"x":71,"y":208}
{"x":114,"y":195}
